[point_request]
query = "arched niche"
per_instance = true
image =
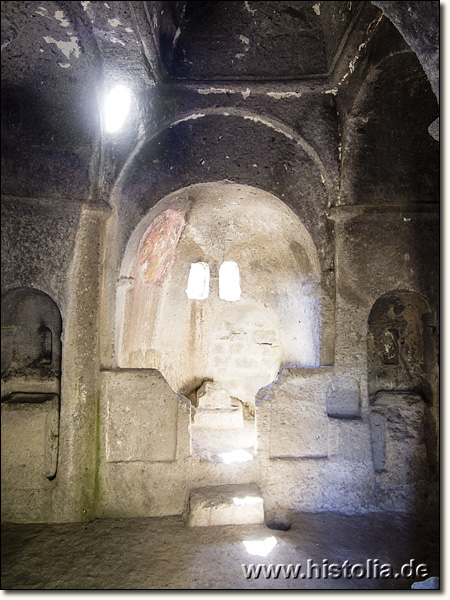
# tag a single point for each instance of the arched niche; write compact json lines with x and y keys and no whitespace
{"x":31,"y":382}
{"x":205,"y":146}
{"x":400,"y":353}
{"x":199,"y":147}
{"x":399,"y":344}
{"x":31,"y":337}
{"x":240,"y":344}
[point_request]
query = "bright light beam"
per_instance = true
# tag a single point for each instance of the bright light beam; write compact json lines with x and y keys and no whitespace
{"x":261,"y":547}
{"x":247,"y":500}
{"x":198,"y":282}
{"x":236,"y":456}
{"x":117,"y":106}
{"x":229,"y":286}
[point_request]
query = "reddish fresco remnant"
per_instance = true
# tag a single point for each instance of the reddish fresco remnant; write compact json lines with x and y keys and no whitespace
{"x":158,"y":245}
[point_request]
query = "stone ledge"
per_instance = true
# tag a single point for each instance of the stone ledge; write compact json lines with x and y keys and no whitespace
{"x":225,"y":505}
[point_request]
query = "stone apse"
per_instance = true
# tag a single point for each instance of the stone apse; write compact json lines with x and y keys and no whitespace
{"x":240,"y":287}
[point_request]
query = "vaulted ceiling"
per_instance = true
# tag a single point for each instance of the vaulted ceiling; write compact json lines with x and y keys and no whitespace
{"x":58,"y":58}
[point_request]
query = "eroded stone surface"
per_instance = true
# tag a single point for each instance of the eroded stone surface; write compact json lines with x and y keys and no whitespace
{"x":29,"y":449}
{"x":218,"y":418}
{"x":225,"y":505}
{"x":212,"y":395}
{"x":302,"y":153}
{"x":164,"y":553}
{"x":343,"y":399}
{"x":141,"y":422}
{"x":299,"y":422}
{"x":398,"y":422}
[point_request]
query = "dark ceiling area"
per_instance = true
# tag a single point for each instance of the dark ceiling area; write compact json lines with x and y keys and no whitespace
{"x":59,"y":59}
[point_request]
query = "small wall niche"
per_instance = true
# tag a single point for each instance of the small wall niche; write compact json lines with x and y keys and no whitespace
{"x":397,"y":344}
{"x":31,"y":339}
{"x":399,"y":349}
{"x":30,"y":401}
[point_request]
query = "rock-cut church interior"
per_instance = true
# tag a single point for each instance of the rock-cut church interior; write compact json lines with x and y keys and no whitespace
{"x":220,"y":293}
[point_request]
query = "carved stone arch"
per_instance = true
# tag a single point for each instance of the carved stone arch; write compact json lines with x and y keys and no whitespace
{"x":31,"y":335}
{"x":398,"y":344}
{"x":213,"y":223}
{"x":201,"y":147}
{"x":31,"y":387}
{"x":403,"y":430}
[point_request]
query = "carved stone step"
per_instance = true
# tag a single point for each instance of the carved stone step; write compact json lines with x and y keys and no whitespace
{"x":225,"y":505}
{"x":219,"y":418}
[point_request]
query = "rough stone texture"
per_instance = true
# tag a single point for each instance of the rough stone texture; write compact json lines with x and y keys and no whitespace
{"x":225,"y":445}
{"x":31,"y":343}
{"x":47,"y":233}
{"x":343,"y":399}
{"x":240,"y":345}
{"x":218,"y":418}
{"x":79,"y":427}
{"x":299,"y":423}
{"x":29,"y":445}
{"x":336,"y":19}
{"x":281,"y":43}
{"x":164,"y":553}
{"x":225,"y":505}
{"x":401,"y":446}
{"x":216,"y":409}
{"x":395,"y":144}
{"x":30,"y":394}
{"x":212,"y":395}
{"x":141,"y":422}
{"x":378,"y":81}
{"x":398,"y":437}
{"x":387,"y":257}
{"x":53,"y":114}
{"x":423,"y":16}
{"x":327,"y":461}
{"x":289,"y":137}
{"x":399,"y":343}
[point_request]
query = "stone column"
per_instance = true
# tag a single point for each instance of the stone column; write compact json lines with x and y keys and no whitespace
{"x":77,"y":478}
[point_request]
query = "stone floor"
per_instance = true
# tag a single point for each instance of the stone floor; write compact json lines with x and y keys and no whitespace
{"x":163,"y":553}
